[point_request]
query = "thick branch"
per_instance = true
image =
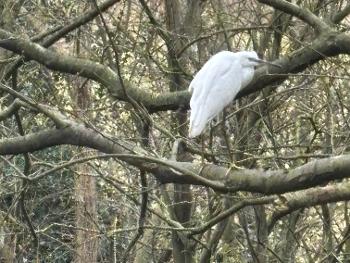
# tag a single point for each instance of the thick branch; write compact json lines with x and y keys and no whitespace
{"x":338,"y":17}
{"x":10,"y":110}
{"x":328,"y":44}
{"x":219,"y":178}
{"x":165,"y":171}
{"x":281,"y":181}
{"x":304,"y":14}
{"x":91,"y":70}
{"x":308,"y":198}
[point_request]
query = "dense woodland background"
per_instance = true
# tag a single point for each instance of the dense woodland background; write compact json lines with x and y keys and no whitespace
{"x":95,"y":162}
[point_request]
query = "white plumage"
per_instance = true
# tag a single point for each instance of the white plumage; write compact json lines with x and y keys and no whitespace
{"x":217,"y":83}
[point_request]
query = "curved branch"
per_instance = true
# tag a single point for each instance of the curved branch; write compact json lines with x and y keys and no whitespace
{"x":58,"y":32}
{"x":338,"y":17}
{"x":60,"y":120}
{"x":233,"y":209}
{"x":311,"y":197}
{"x":327,"y":44}
{"x":92,"y":70}
{"x":218,"y":178}
{"x":10,"y":110}
{"x":304,"y":14}
{"x":281,"y":181}
{"x":79,"y":21}
{"x":165,"y":171}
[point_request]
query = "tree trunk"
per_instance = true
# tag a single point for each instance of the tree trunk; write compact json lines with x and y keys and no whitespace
{"x":85,"y":188}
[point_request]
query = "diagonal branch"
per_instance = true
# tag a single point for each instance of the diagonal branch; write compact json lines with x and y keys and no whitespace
{"x":155,"y":23}
{"x":326,"y":45}
{"x":91,"y":70}
{"x":311,"y":197}
{"x":228,"y":212}
{"x":79,"y":21}
{"x":58,"y":33}
{"x":142,"y":217}
{"x":10,"y":110}
{"x":59,"y":120}
{"x":338,"y":17}
{"x":304,"y":14}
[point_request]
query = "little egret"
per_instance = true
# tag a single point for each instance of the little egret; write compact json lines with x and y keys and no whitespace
{"x":217,"y":83}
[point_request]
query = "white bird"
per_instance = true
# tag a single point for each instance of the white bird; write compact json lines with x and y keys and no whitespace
{"x":217,"y":83}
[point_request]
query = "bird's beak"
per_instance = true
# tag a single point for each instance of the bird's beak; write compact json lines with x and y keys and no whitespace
{"x":265,"y":62}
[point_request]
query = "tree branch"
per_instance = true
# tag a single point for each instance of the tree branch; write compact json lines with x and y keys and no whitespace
{"x":163,"y":34}
{"x":217,"y":177}
{"x":233,"y":209}
{"x":92,"y":70}
{"x":304,"y":14}
{"x":327,"y":44}
{"x":142,"y":217}
{"x":79,"y":21}
{"x":59,"y":120}
{"x":308,"y":198}
{"x":10,"y":110}
{"x":338,"y":17}
{"x":58,"y":33}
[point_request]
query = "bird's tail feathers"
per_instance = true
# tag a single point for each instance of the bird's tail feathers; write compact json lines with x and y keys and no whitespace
{"x":194,"y":132}
{"x":197,"y":123}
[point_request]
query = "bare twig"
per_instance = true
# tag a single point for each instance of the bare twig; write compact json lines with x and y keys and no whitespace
{"x":58,"y":32}
{"x":142,"y":218}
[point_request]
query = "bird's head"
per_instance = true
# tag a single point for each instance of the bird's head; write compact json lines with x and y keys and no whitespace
{"x":251,"y":59}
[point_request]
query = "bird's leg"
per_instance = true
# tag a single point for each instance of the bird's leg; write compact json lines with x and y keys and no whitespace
{"x":210,"y":143}
{"x":226,"y":138}
{"x":202,"y":154}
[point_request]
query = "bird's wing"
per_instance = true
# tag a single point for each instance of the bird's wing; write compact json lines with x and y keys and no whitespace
{"x":200,"y":75}
{"x":200,"y":81}
{"x":196,"y":78}
{"x":219,"y":83}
